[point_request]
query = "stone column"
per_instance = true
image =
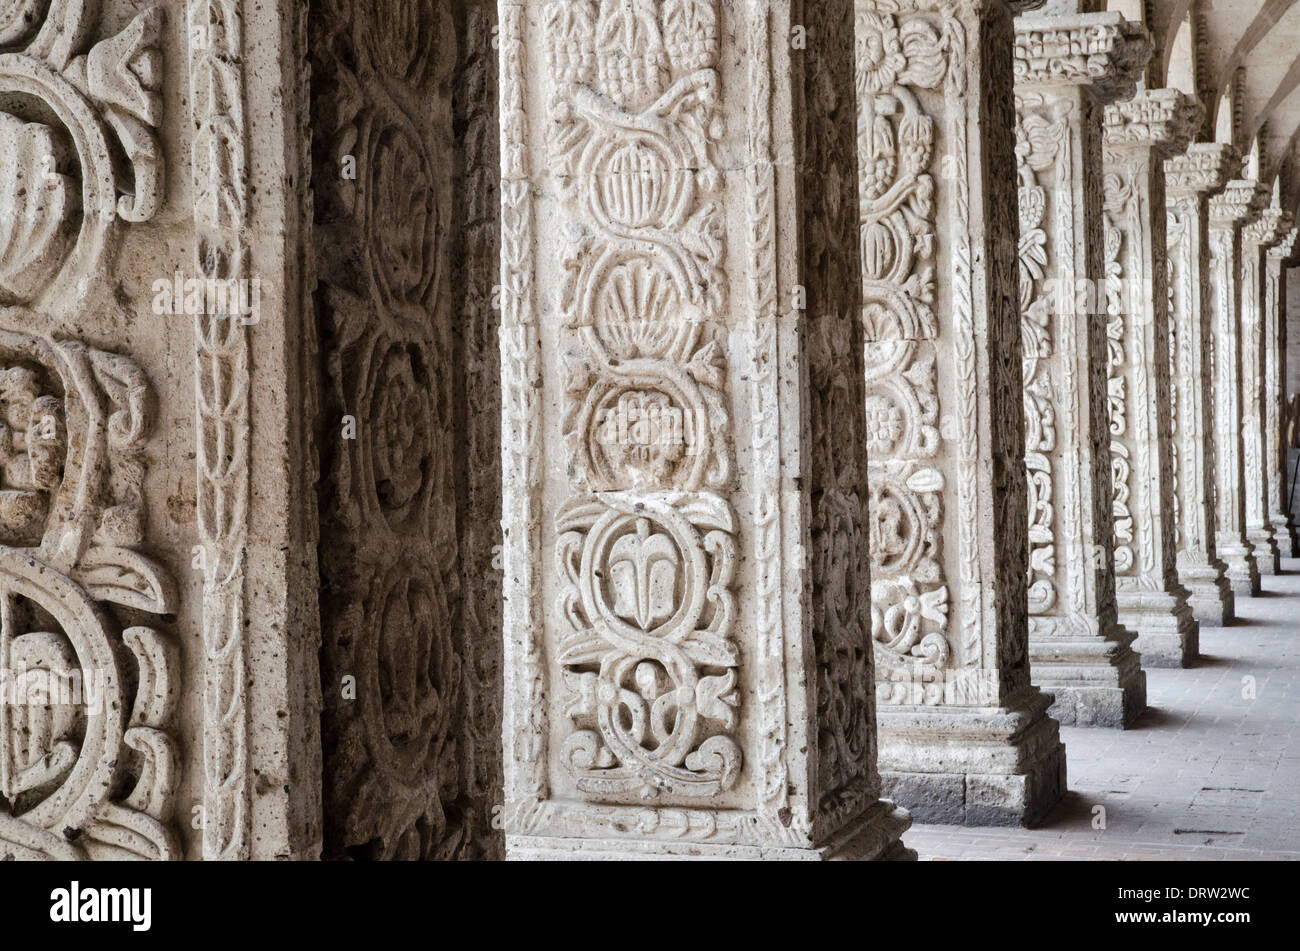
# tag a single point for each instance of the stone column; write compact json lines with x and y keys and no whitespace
{"x":1256,"y":238}
{"x":1140,"y":134}
{"x":1238,"y":204}
{"x":964,"y":735}
{"x":1278,"y":485}
{"x":687,"y":665}
{"x":1189,"y":179}
{"x":1078,"y":650}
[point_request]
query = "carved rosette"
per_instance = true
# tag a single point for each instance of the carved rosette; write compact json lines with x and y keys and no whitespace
{"x":401,"y":777}
{"x":647,"y":546}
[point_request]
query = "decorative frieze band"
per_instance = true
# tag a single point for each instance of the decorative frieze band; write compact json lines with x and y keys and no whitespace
{"x":1103,"y":51}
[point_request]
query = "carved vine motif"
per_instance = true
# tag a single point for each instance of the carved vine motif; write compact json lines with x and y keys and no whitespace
{"x":1040,"y":141}
{"x":1119,"y":196}
{"x":398,"y":783}
{"x":1180,"y":356}
{"x":650,"y":669}
{"x":896,"y":140}
{"x":221,"y":363}
{"x":60,"y":189}
{"x":87,"y":767}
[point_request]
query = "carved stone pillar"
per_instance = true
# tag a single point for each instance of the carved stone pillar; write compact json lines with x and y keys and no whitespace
{"x":1278,"y":487}
{"x":1140,"y":134}
{"x":405,"y":179}
{"x":688,"y":668}
{"x":1258,"y":349}
{"x":1238,"y":204}
{"x":157,"y":538}
{"x":1189,"y":179}
{"x":1078,"y":650}
{"x":964,"y":735}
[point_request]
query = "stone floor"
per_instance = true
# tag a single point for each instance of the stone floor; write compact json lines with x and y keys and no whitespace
{"x":1208,"y":772}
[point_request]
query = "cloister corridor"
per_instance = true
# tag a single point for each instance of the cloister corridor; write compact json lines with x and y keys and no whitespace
{"x":1207,"y":773}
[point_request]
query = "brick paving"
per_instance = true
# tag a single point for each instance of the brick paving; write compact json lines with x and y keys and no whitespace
{"x":1208,"y":772}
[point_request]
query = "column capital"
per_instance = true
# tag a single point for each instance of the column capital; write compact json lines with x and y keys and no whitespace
{"x":1284,"y":250}
{"x":1240,"y":202}
{"x":1203,"y":169}
{"x":1270,"y":228}
{"x":1160,"y":119}
{"x":1103,"y":52}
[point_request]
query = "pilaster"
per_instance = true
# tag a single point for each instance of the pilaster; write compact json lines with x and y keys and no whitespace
{"x":1259,"y":358}
{"x":1190,"y":179}
{"x":1237,"y":205}
{"x":1278,"y":487}
{"x":964,"y":735}
{"x":1140,"y":134}
{"x":688,"y":669}
{"x":1079,"y":652}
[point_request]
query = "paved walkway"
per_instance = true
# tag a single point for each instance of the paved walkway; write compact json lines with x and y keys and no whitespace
{"x":1208,"y":772}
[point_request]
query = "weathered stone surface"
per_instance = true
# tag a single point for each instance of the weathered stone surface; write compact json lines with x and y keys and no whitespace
{"x":405,"y":186}
{"x":1190,"y":178}
{"x":688,"y":668}
{"x":1277,"y":485}
{"x":1140,"y":134}
{"x":1258,"y":343}
{"x":1078,"y":650}
{"x":945,"y":436}
{"x":1238,"y":204}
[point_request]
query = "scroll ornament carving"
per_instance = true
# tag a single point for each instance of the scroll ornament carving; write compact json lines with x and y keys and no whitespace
{"x":648,"y":550}
{"x":896,"y":141}
{"x":61,"y":192}
{"x":1119,"y":192}
{"x":1178,"y":278}
{"x":87,"y":766}
{"x":1040,"y":137}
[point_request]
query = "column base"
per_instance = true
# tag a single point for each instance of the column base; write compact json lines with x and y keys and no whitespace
{"x":1284,"y":530}
{"x":1097,"y":680}
{"x":1263,"y":544}
{"x":1239,"y":566}
{"x":1167,"y":633}
{"x":973,"y":765}
{"x":1209,"y":593}
{"x":875,"y":836}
